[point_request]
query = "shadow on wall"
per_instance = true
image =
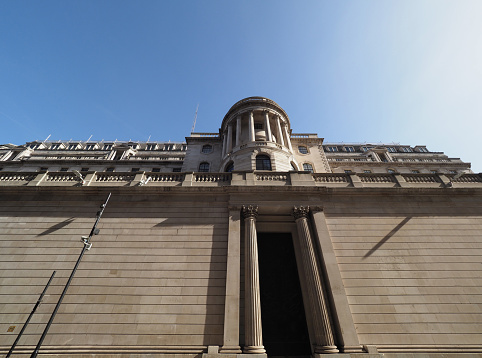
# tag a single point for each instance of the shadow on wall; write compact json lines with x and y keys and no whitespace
{"x":56,"y":227}
{"x":388,"y":236}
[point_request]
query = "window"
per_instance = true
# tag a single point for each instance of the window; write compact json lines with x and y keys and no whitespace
{"x":302,"y":149}
{"x":44,"y":169}
{"x":452,"y":171}
{"x":293,"y":167}
{"x":207,"y":148}
{"x":135,"y":169}
{"x":366,"y":171}
{"x":184,"y":147}
{"x":258,"y":126}
{"x":349,"y":149}
{"x":55,"y":146}
{"x":382,"y":157}
{"x":366,"y":149}
{"x":348,"y":171}
{"x":433,"y":172}
{"x":168,"y":146}
{"x":34,"y":146}
{"x":156,"y":170}
{"x":415,"y":172}
{"x":132,"y":145}
{"x":204,"y":167}
{"x":90,"y":147}
{"x":307,"y":167}
{"x":110,"y":169}
{"x":72,"y":146}
{"x":176,"y":170}
{"x":107,"y":147}
{"x":391,"y":149}
{"x":229,"y":167}
{"x":332,"y":149}
{"x":84,"y":169}
{"x":263,"y":162}
{"x":151,"y":147}
{"x":391,"y":171}
{"x":423,"y":149}
{"x":64,"y":169}
{"x":406,"y":149}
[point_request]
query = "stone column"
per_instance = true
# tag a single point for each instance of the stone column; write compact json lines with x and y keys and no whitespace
{"x":251,"y":127}
{"x":267,"y":127}
{"x":288,"y":140}
{"x":280,"y":133}
{"x":229,"y":142}
{"x":324,"y":340}
{"x":231,"y":303}
{"x":238,"y":131}
{"x":224,"y":144}
{"x":252,"y":302}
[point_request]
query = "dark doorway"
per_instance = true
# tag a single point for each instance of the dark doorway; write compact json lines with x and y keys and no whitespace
{"x":285,"y":332}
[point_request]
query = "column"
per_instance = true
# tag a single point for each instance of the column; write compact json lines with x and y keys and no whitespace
{"x":347,"y":336}
{"x":238,"y":131}
{"x":251,"y":127}
{"x":280,"y":133}
{"x":252,"y":319}
{"x":229,"y":143}
{"x":224,"y":144}
{"x":267,"y":127}
{"x":288,"y":140}
{"x":231,"y":303}
{"x":324,"y":340}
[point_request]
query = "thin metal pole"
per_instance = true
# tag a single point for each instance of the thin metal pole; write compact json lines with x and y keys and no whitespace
{"x":87,"y":246}
{"x":30,"y":316}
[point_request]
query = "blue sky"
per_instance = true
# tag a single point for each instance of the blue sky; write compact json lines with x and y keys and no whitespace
{"x":352,"y":71}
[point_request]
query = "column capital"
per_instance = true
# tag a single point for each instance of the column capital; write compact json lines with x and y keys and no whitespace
{"x":250,"y":211}
{"x":300,"y":212}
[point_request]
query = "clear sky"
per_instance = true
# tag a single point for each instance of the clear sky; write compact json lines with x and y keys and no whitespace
{"x":403,"y":71}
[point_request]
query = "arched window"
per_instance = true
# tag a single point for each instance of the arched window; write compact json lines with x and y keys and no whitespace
{"x":263,"y":162}
{"x":204,"y":167}
{"x":302,"y":149}
{"x":229,"y":167}
{"x":293,"y":167}
{"x":307,"y":167}
{"x":207,"y":148}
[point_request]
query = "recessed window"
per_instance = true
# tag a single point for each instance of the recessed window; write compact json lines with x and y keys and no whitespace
{"x":307,"y":167}
{"x":391,"y":149}
{"x":302,"y":149}
{"x":55,"y":146}
{"x":207,"y":148}
{"x":349,"y":149}
{"x":90,"y":147}
{"x":44,"y":169}
{"x":415,"y":171}
{"x":84,"y":169}
{"x":156,"y":170}
{"x":168,"y":146}
{"x":107,"y":147}
{"x":110,"y":169}
{"x":230,"y":167}
{"x":263,"y":162}
{"x":151,"y":147}
{"x":382,"y":157}
{"x":184,"y":147}
{"x":64,"y":169}
{"x":293,"y":167}
{"x":366,"y":171}
{"x":34,"y":146}
{"x":433,"y":172}
{"x":135,"y":169}
{"x":391,"y":171}
{"x":258,"y":126}
{"x":423,"y":149}
{"x":332,"y":148}
{"x":132,"y":145}
{"x":406,"y":149}
{"x":176,"y":170}
{"x":348,"y":171}
{"x":73,"y":146}
{"x":366,"y":149}
{"x":452,"y":171}
{"x":204,"y":167}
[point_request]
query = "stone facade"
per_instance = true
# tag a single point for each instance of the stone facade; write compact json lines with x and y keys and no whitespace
{"x":386,"y":263}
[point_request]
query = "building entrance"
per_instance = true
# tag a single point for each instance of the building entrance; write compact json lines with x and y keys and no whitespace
{"x":285,"y":332}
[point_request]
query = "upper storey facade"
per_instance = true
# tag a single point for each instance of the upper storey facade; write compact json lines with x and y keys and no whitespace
{"x":255,"y":135}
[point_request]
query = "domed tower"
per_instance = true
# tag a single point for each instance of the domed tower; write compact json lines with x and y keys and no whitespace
{"x":255,"y":135}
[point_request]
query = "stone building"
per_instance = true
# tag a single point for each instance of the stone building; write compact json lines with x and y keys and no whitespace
{"x":251,"y":241}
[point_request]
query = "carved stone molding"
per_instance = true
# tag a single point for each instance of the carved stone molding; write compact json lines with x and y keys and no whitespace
{"x":250,"y":211}
{"x":300,"y":212}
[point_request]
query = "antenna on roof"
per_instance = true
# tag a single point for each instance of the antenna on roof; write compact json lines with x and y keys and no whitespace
{"x":89,"y":137}
{"x":148,"y":138}
{"x":46,"y":139}
{"x":195,"y":117}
